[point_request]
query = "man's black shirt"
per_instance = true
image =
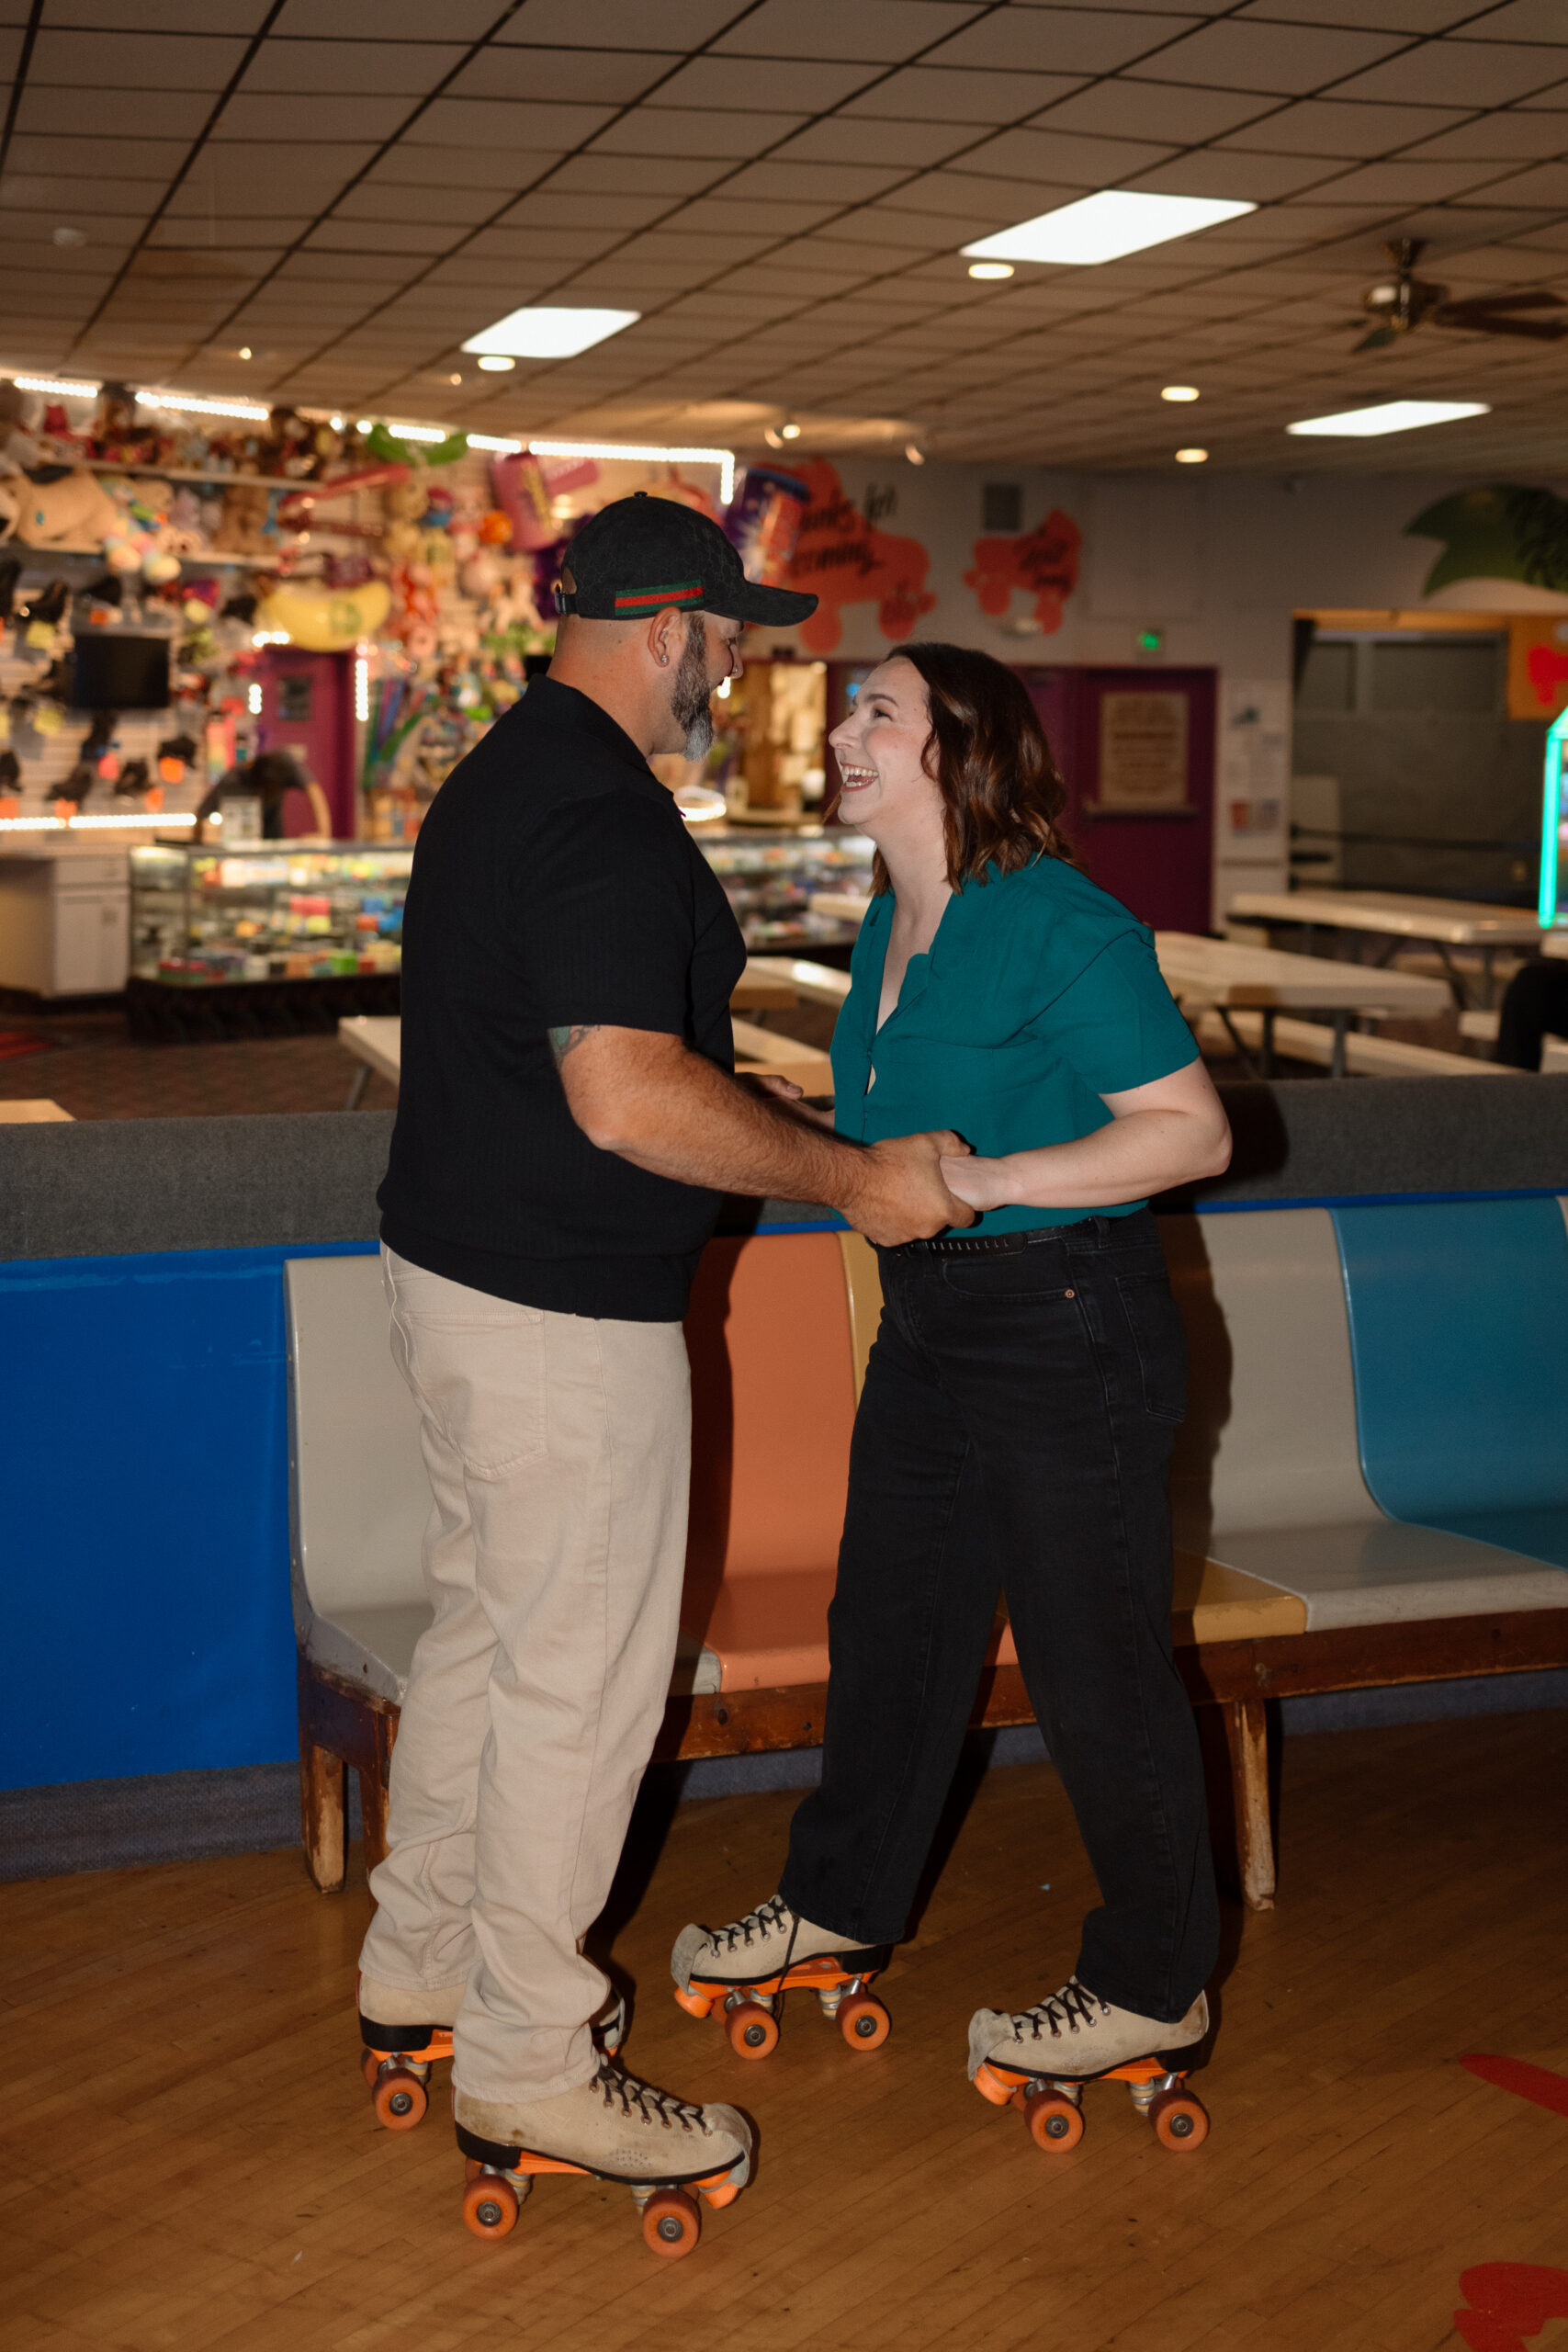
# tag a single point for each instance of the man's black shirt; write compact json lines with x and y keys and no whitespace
{"x":554,"y":885}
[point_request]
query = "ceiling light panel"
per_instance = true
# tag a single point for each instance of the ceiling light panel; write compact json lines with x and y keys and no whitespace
{"x":1388,"y":416}
{"x":549,"y":330}
{"x":1102,"y":228}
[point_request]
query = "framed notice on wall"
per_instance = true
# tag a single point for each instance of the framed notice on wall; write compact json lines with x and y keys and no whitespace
{"x":1143,"y":751}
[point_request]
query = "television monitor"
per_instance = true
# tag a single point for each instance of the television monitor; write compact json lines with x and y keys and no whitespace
{"x":111,"y":670}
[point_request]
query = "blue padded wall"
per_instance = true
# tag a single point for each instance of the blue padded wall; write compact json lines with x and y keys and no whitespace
{"x":1459,"y":1334}
{"x":145,"y":1506}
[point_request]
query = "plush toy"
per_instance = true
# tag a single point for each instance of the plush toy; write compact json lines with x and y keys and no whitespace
{"x":326,"y":620}
{"x":10,"y":507}
{"x":402,"y":506}
{"x":522,"y":495}
{"x":242,"y":528}
{"x":69,"y":507}
{"x":19,"y":446}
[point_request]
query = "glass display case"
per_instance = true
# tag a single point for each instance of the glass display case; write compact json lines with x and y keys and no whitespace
{"x":775,"y":882}
{"x":206,"y":918}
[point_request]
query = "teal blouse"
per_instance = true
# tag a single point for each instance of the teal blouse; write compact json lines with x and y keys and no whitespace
{"x":1040,"y":993}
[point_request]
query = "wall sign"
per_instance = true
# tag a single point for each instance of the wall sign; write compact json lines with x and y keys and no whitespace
{"x":1143,"y":751}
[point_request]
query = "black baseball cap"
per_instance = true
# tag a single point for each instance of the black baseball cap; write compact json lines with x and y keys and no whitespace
{"x":636,"y":556}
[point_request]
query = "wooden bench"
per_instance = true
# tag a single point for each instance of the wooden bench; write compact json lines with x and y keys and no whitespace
{"x":1295,"y":1571}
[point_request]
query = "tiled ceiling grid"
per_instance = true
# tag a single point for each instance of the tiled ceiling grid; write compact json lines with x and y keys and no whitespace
{"x":351,"y":187}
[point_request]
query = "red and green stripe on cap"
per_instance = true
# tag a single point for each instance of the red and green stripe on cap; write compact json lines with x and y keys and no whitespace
{"x":653,"y":600}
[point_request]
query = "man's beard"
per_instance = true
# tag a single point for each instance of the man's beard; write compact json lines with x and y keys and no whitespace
{"x":690,"y":690}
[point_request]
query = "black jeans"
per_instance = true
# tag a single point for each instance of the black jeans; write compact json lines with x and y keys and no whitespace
{"x":1015,"y":1430}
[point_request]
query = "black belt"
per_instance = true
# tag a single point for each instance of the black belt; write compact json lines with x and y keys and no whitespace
{"x":977,"y":1245}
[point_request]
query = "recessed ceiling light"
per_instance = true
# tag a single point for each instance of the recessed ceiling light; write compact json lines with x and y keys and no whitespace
{"x":1192,"y":456}
{"x":454,"y":379}
{"x":1104,"y":227}
{"x":914,"y":452}
{"x":1178,"y":392}
{"x":243,"y":352}
{"x":494,"y":364}
{"x":790,"y":432}
{"x":549,"y":330}
{"x":990,"y":269}
{"x":1388,"y":416}
{"x":71,"y":236}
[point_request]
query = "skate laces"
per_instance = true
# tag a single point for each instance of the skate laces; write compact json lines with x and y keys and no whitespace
{"x":768,"y":1918}
{"x":1073,"y":2007}
{"x":654,"y":2107}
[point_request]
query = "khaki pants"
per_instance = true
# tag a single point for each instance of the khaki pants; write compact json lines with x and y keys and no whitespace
{"x":558,"y":1452}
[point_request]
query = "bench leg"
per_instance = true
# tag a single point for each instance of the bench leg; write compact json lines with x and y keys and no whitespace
{"x":372,"y":1815}
{"x":1247,"y":1738}
{"x":321,"y":1778}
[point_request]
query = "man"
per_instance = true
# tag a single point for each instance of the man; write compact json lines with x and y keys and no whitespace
{"x":567,"y":1124}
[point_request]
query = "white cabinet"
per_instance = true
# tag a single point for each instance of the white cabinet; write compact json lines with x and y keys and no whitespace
{"x":64,"y":921}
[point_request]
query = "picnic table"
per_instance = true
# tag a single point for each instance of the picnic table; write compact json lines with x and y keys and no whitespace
{"x":1442,"y":924}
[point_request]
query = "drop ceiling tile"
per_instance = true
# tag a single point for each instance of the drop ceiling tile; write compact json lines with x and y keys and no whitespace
{"x":922,"y":94}
{"x":127,"y":61}
{"x":338,"y":115}
{"x":673,"y":25}
{"x":1500,"y":137}
{"x":1390,"y":15}
{"x":551,"y":207}
{"x":601,"y":76}
{"x":371,"y":272}
{"x":1406,"y":182}
{"x":1545,"y":186}
{"x":687,"y":132}
{"x":773,"y":219}
{"x":1523,"y":21}
{"x":1062,"y":160}
{"x":661,"y":176}
{"x":859,"y":139}
{"x":384,"y":67}
{"x":504,"y":171}
{"x":1328,"y":126}
{"x":385,"y":201}
{"x":708,"y":253}
{"x":39,"y":192}
{"x":553,"y":250}
{"x":412,"y":237}
{"x":749,"y":84}
{"x":787,"y":280}
{"x":237,"y":179}
{"x":881,"y":33}
{"x":1459,"y":73}
{"x":1253,"y":179}
{"x":135,"y":158}
{"x":1282,"y":59}
{"x":624,"y":284}
{"x":1061,"y":40}
{"x":163,"y":114}
{"x":508,"y":122}
{"x":1176,"y":118}
{"x":813,"y":183}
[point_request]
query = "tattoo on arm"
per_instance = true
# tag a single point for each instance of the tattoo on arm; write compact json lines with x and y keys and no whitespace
{"x":563,"y":1040}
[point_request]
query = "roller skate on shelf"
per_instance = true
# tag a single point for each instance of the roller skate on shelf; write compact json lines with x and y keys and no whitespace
{"x":1040,"y":2059}
{"x":667,"y":2151}
{"x":400,"y":2049}
{"x":747,"y":1967}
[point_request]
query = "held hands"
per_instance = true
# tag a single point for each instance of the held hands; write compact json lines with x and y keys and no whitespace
{"x":980,"y":1182}
{"x":904,"y":1197}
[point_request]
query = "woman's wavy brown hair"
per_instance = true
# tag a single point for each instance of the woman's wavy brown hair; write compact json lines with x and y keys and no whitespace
{"x":1001,"y":789}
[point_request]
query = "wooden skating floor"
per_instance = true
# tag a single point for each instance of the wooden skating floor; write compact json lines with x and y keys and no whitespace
{"x":192,"y":2160}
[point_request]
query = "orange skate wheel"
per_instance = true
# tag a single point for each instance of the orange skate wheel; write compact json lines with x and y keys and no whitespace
{"x":864,"y":2022}
{"x":489,"y":2205}
{"x":753,"y":2031}
{"x":1180,"y":2121}
{"x":400,"y":2100}
{"x":369,"y":2066}
{"x":672,"y":2224}
{"x":1055,"y":2124}
{"x":992,"y":2086}
{"x":724,"y":2193}
{"x":696,"y":2005}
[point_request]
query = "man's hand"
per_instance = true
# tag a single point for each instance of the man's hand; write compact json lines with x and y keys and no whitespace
{"x":904,"y":1196}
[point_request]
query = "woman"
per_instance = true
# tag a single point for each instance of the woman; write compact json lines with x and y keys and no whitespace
{"x":1023,"y":1392}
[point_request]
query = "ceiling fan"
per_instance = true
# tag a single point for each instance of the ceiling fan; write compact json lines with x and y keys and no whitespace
{"x":1400,"y":303}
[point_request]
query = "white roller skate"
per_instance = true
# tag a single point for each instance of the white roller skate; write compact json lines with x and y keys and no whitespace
{"x":750,"y":1965}
{"x":1039,"y":2060}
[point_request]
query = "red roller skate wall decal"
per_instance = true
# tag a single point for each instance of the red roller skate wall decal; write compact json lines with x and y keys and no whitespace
{"x":842,"y":559}
{"x":1043,"y":563}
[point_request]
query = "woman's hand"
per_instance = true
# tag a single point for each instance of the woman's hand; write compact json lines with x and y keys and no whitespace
{"x":978,"y":1182}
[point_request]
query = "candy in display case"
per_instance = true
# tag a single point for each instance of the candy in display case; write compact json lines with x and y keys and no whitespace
{"x":302,"y":935}
{"x":783,"y":886}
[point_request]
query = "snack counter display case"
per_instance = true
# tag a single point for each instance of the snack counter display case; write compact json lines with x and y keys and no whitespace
{"x":771,"y":881}
{"x":262,"y":936}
